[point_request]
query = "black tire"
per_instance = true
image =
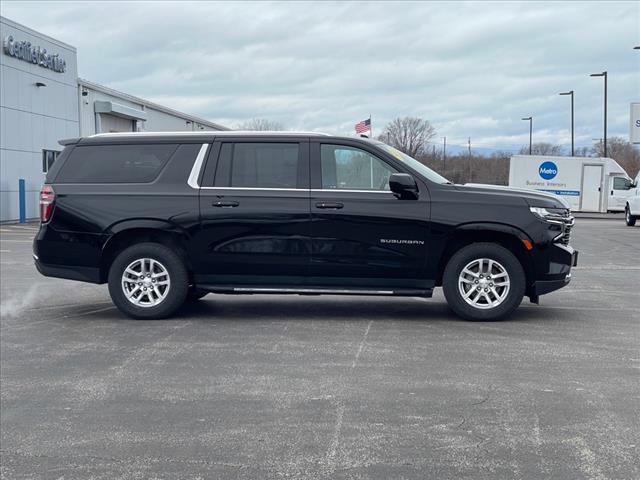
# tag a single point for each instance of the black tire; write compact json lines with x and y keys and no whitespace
{"x":629,"y":219}
{"x":196,"y":294}
{"x":466,"y":255}
{"x":177,"y":290}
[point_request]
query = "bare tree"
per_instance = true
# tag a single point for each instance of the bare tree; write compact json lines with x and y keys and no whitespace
{"x":622,"y":152}
{"x":583,"y":152}
{"x":541,"y":148}
{"x":408,"y":134}
{"x":260,"y":125}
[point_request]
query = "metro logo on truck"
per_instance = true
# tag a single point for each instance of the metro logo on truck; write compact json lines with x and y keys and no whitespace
{"x":548,"y":170}
{"x":586,"y":183}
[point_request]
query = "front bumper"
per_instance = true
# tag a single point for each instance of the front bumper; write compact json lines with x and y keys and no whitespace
{"x":546,"y":286}
{"x":565,"y":260}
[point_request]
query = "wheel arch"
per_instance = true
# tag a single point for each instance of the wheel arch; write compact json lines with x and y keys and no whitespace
{"x":131,"y":232}
{"x":512,"y":238}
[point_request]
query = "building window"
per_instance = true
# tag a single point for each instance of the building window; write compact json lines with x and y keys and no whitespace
{"x":48,"y":157}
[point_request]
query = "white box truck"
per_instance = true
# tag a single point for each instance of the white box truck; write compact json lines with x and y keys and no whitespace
{"x":589,"y":184}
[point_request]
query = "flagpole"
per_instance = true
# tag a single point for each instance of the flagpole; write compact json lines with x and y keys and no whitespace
{"x":371,"y":158}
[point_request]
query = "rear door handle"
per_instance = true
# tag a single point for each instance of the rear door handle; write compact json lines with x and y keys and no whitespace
{"x":329,"y":205}
{"x":225,"y":204}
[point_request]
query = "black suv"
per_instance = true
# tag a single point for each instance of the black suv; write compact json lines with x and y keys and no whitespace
{"x":165,"y":218}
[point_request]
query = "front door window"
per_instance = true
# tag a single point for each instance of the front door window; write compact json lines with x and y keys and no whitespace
{"x":348,"y":168}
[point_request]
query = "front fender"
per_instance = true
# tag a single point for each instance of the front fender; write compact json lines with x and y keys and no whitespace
{"x":495,"y":227}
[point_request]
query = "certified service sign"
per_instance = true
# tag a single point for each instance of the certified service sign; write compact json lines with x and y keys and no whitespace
{"x":33,"y":54}
{"x":548,"y":170}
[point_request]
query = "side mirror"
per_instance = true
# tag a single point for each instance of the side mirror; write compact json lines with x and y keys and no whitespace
{"x":403,"y":186}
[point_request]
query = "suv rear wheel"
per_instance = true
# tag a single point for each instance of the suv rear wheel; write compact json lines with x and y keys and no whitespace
{"x":483,"y":281}
{"x":629,"y":219}
{"x":148,"y":281}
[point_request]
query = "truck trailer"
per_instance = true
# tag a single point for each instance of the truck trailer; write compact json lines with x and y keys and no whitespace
{"x":589,"y":184}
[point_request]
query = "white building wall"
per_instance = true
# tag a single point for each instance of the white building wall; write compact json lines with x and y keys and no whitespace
{"x":158,"y":117}
{"x":87,"y":108}
{"x":158,"y":121}
{"x":32,"y":118}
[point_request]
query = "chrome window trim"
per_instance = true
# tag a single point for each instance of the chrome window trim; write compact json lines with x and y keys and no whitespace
{"x":338,"y":190}
{"x":257,"y":189}
{"x":197,"y":167}
{"x":313,"y":190}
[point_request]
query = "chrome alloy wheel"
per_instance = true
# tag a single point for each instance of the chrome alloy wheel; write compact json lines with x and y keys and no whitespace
{"x":146,"y":282}
{"x":484,"y":283}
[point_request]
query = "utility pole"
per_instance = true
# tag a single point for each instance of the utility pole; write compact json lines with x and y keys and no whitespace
{"x":469,"y":158}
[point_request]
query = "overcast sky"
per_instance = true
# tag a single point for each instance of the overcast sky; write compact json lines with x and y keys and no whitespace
{"x":471,"y":69}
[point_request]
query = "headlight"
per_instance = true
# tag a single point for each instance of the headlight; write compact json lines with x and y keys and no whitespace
{"x":551,"y":215}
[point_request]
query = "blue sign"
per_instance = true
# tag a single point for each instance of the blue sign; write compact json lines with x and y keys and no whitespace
{"x":548,"y":170}
{"x":569,"y":193}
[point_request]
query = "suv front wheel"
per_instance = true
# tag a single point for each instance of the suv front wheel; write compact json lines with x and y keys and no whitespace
{"x":148,"y":281}
{"x":483,"y":281}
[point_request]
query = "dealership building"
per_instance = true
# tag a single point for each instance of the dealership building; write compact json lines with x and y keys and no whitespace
{"x":42,"y":100}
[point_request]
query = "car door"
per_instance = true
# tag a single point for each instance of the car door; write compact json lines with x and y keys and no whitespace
{"x":362,"y":234}
{"x":254,"y":210}
{"x":621,"y":189}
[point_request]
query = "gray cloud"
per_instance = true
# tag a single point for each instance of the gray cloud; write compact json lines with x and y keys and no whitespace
{"x":472,"y":69}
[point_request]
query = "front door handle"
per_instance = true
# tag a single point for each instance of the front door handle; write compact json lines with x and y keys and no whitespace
{"x":329,"y":205}
{"x":225,"y":204}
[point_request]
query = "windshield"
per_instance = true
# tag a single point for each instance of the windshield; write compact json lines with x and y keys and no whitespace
{"x":413,"y":163}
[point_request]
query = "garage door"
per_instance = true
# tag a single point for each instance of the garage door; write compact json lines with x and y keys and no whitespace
{"x":111,"y":123}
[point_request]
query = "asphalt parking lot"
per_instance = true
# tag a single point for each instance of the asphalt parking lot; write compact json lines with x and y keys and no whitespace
{"x":323,"y":387}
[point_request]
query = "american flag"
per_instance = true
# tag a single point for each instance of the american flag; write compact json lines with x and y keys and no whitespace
{"x":363,"y":126}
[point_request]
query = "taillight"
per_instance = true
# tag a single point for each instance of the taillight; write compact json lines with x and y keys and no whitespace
{"x":47,"y":196}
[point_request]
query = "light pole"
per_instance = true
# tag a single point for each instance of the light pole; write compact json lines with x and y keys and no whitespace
{"x":604,"y":74}
{"x":444,"y":155}
{"x":530,"y":120}
{"x":570,"y":93}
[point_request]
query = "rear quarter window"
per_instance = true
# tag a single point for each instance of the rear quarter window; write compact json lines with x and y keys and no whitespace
{"x":139,"y":163}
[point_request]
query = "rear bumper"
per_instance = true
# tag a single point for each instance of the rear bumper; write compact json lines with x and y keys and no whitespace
{"x":82,"y":274}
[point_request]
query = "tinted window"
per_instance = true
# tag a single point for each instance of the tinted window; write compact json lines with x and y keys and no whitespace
{"x":258,"y":165}
{"x":350,"y":168}
{"x":115,"y":163}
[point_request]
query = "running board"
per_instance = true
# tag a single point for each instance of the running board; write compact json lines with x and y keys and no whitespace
{"x":316,"y":291}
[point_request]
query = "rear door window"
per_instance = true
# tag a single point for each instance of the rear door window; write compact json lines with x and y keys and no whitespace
{"x":139,"y":163}
{"x":258,"y":165}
